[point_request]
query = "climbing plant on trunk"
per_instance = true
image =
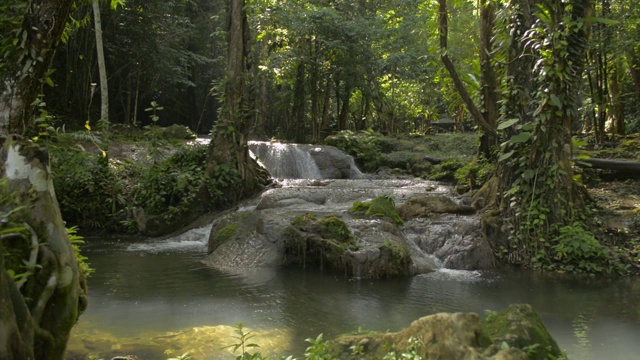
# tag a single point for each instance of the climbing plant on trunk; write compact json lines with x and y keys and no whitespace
{"x":540,"y":199}
{"x":34,"y":32}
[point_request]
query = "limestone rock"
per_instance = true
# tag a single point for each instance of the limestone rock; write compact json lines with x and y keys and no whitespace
{"x":457,"y":336}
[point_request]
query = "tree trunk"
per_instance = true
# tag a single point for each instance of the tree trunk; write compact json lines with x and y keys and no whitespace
{"x":634,"y":69}
{"x":488,"y":80}
{"x":22,"y":79}
{"x":229,"y":144}
{"x":448,"y":64}
{"x":617,"y":104}
{"x":538,"y":194}
{"x":102,"y":67}
{"x":48,"y":304}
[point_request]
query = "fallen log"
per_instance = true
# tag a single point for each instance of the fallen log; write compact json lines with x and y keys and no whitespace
{"x":610,"y":164}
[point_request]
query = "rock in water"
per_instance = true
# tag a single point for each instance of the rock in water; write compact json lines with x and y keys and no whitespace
{"x":457,"y":336}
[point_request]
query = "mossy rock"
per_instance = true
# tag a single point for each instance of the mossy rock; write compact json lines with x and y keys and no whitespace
{"x":397,"y":258}
{"x":333,"y":227}
{"x":446,"y":171}
{"x":227,"y":232}
{"x":303,"y":221}
{"x":520,"y":326}
{"x":381,"y":206}
{"x":456,"y":336}
{"x":434,"y":204}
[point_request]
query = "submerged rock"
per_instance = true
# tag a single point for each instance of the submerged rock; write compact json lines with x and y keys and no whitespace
{"x":516,"y":333}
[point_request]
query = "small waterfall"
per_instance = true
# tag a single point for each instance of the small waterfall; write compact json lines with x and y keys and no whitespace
{"x":194,"y":240}
{"x":287,"y":161}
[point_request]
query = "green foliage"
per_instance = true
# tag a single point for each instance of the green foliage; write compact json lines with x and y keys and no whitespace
{"x":89,"y":191}
{"x":317,"y":349}
{"x":173,"y":182}
{"x":243,"y":337}
{"x":577,"y":250}
{"x":412,"y":352}
{"x":473,"y":175}
{"x":77,"y":240}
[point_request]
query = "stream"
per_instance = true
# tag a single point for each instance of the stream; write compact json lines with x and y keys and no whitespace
{"x":147,"y":298}
{"x":157,"y":299}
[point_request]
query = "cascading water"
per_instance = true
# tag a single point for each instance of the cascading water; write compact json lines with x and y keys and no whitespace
{"x":302,"y":161}
{"x":165,"y":298}
{"x":286,"y":161}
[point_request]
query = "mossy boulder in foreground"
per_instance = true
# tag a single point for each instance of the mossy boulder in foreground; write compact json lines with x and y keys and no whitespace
{"x":515,"y":333}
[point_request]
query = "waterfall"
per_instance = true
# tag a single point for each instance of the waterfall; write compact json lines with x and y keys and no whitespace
{"x":302,"y":161}
{"x":287,"y":161}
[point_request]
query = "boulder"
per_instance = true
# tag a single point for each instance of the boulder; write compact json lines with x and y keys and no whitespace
{"x":374,"y":249}
{"x":424,"y":206}
{"x":177,"y":132}
{"x":333,"y":163}
{"x":456,"y":336}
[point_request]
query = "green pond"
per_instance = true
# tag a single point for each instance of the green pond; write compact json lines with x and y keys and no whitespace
{"x":157,"y":300}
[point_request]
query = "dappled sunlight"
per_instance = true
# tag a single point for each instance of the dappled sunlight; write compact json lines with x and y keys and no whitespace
{"x":202,"y":342}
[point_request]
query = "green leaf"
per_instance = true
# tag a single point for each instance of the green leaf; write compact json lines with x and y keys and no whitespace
{"x":505,"y":156}
{"x":555,"y":101}
{"x":520,"y":138}
{"x":506,"y":124}
{"x":602,"y":20}
{"x":529,"y":174}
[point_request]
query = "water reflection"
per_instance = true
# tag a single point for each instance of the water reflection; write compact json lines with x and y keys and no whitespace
{"x":144,"y":297}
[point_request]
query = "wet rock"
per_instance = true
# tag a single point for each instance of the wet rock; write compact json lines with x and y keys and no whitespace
{"x":424,"y":206}
{"x":456,"y":336}
{"x":520,"y":326}
{"x":455,"y":240}
{"x":333,"y":163}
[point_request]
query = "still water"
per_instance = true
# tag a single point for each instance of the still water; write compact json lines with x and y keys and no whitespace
{"x":156,"y":300}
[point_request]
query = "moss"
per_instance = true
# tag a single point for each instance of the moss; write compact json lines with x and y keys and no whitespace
{"x":360,"y":206}
{"x":303,"y":221}
{"x":227,"y":232}
{"x":519,"y":326}
{"x":382,"y":206}
{"x":396,"y":257}
{"x":335,"y":228}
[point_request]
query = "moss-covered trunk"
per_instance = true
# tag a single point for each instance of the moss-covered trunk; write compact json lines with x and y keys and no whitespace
{"x":27,"y":62}
{"x":538,"y":195}
{"x":48,"y":300}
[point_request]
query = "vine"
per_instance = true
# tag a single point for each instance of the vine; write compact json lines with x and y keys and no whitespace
{"x":550,"y":227}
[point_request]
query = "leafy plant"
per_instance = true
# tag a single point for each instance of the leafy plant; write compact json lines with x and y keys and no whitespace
{"x":243,"y":337}
{"x":317,"y":350}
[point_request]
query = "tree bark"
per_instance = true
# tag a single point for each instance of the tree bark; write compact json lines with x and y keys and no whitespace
{"x":229,"y":145}
{"x":539,"y":182}
{"x":48,"y":304}
{"x":27,"y":67}
{"x":448,"y":64}
{"x":488,"y":80}
{"x":102,"y":66}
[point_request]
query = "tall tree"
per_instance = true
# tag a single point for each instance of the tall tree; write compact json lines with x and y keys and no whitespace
{"x":102,"y":66}
{"x":228,"y":149}
{"x":487,"y":128}
{"x":538,"y":196}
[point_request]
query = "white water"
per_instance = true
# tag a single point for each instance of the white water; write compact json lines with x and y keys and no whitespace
{"x":287,"y":161}
{"x":194,"y":240}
